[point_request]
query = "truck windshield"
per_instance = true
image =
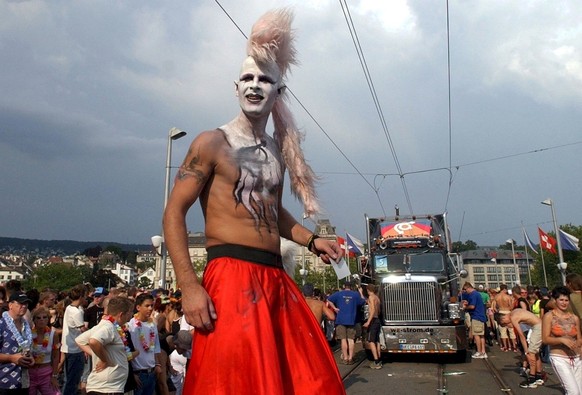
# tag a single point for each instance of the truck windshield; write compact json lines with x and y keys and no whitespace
{"x":409,"y":263}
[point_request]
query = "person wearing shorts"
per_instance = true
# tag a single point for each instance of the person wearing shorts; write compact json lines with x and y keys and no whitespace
{"x":517,"y":318}
{"x":346,"y":303}
{"x":473,"y":303}
{"x":373,"y":325}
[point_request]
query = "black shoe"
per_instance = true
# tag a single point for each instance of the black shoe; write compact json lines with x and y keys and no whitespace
{"x":529,"y":383}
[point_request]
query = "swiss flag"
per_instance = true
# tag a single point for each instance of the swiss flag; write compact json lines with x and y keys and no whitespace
{"x":547,"y":242}
{"x":344,"y":246}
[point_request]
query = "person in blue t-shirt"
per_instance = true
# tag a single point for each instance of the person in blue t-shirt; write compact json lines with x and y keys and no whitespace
{"x":473,"y":304}
{"x":346,"y":304}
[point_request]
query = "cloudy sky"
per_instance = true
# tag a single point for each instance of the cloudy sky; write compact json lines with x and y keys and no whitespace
{"x":89,"y":90}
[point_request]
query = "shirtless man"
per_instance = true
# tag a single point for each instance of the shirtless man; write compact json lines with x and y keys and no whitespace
{"x":253,"y":335}
{"x":517,"y":318}
{"x":318,"y":307}
{"x":503,"y":304}
{"x":373,"y":324}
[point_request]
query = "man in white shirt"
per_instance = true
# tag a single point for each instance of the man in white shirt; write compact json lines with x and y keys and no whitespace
{"x":109,"y":347}
{"x":73,"y":326}
{"x":144,"y":335}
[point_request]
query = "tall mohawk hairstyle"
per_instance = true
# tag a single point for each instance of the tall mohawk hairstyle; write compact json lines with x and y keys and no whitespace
{"x":271,"y":41}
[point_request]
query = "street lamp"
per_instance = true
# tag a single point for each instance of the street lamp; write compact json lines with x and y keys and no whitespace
{"x":494,"y":261}
{"x":561,"y":264}
{"x":173,"y":134}
{"x":517,"y":280}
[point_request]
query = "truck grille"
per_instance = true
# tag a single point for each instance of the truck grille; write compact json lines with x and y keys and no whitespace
{"x":410,"y":301}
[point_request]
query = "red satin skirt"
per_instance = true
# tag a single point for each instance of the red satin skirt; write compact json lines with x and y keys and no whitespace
{"x":266,"y":340}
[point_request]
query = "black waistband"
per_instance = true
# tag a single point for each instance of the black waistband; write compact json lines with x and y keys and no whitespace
{"x":245,"y":253}
{"x":148,"y":370}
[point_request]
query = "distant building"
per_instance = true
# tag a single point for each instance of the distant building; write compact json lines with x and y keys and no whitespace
{"x":491,"y":267}
{"x":8,"y":273}
{"x":125,"y":273}
{"x":197,"y":251}
{"x":146,"y":256}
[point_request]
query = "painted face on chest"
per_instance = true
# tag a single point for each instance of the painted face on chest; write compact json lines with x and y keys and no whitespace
{"x":260,"y":177}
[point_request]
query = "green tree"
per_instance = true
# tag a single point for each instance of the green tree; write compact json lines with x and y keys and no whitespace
{"x":58,"y":276}
{"x":130,"y":257}
{"x":325,"y":279}
{"x":459,"y":246}
{"x":105,"y":278}
{"x":93,"y":252}
{"x":114,"y":249}
{"x":144,"y":282}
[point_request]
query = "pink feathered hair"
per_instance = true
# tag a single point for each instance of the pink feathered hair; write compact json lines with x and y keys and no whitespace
{"x":271,"y":41}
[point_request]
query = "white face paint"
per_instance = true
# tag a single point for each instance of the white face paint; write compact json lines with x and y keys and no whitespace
{"x":257,"y":88}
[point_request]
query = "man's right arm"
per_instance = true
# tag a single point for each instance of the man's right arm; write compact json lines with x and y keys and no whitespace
{"x":189,"y":183}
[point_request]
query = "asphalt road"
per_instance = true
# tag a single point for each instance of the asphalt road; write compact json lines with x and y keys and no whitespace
{"x":427,"y":374}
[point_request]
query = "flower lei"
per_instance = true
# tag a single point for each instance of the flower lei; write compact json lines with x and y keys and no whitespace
{"x":152,"y":335}
{"x":121,"y":334}
{"x":24,"y":343}
{"x":39,"y":351}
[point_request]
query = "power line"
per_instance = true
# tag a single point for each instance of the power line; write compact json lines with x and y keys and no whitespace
{"x":363,"y":63}
{"x":519,"y":154}
{"x":450,"y":106}
{"x":457,"y":167}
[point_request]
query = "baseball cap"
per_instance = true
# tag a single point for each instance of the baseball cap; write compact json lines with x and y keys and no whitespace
{"x":480,"y":286}
{"x":20,"y":298}
{"x":100,"y":291}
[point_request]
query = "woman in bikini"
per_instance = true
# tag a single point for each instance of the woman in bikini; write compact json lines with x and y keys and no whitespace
{"x":561,"y":331}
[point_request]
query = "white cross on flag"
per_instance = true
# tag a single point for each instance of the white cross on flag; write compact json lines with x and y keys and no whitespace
{"x":547,"y":242}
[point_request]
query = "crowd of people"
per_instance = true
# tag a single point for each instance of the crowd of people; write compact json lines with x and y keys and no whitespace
{"x":542,"y":326}
{"x":92,"y":341}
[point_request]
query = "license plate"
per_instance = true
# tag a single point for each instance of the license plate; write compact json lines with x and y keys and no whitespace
{"x":412,"y":346}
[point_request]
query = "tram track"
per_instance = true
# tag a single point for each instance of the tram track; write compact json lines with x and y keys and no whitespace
{"x":503,"y":386}
{"x":451,"y":378}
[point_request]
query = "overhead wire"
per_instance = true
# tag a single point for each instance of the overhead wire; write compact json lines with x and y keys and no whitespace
{"x":450,"y":109}
{"x":369,"y":81}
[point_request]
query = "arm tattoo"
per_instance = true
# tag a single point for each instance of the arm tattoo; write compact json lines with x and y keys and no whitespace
{"x":191,"y":169}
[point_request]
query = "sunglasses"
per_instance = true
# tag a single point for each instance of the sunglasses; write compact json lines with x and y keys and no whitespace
{"x":44,"y":317}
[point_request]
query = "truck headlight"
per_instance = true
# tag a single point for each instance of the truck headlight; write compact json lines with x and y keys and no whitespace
{"x":454,"y":311}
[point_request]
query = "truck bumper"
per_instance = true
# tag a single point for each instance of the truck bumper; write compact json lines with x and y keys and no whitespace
{"x":423,"y":339}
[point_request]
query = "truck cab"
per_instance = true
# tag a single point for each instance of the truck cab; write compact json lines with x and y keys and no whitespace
{"x":410,"y":260}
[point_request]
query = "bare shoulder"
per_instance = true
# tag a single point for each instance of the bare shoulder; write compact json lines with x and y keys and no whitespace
{"x":207,"y":142}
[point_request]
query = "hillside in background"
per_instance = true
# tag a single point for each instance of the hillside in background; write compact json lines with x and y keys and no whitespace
{"x":60,"y":247}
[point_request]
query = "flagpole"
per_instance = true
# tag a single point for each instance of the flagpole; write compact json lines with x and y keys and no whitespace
{"x":347,"y":253}
{"x":526,"y":255}
{"x":543,"y":263}
{"x":550,"y":202}
{"x":527,"y":262}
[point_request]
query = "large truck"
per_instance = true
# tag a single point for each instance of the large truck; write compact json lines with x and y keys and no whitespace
{"x":410,"y":259}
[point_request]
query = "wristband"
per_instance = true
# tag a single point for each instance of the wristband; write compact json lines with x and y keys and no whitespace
{"x":311,"y":241}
